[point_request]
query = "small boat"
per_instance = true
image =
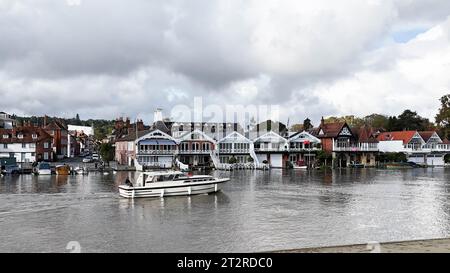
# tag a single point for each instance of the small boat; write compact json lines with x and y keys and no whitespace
{"x":44,"y":168}
{"x":304,"y":167}
{"x":357,"y":165}
{"x":62,"y":170}
{"x":170,"y":183}
{"x":79,"y":170}
{"x":105,"y":173}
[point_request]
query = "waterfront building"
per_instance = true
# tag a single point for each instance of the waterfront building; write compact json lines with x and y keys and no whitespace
{"x":272,"y":149}
{"x":125,"y":148}
{"x":303,"y":148}
{"x":59,"y":132}
{"x":196,"y":149}
{"x":26,"y":144}
{"x":237,"y":146}
{"x":6,"y":121}
{"x":155,"y":149}
{"x":420,"y":147}
{"x":214,"y":130}
{"x":346,"y":145}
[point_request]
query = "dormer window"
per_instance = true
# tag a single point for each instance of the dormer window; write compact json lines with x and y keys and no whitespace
{"x":5,"y":136}
{"x":34,"y":136}
{"x":20,"y":136}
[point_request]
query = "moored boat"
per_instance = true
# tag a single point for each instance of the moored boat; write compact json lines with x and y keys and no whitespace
{"x":44,"y":168}
{"x":170,"y":183}
{"x":62,"y":170}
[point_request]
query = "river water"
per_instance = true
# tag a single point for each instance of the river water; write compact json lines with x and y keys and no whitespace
{"x":256,"y":211}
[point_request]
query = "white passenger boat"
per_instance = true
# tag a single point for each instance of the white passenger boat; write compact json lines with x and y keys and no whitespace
{"x":171,"y":183}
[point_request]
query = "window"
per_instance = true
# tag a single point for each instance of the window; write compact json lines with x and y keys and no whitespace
{"x":34,"y":136}
{"x":46,"y":145}
{"x":24,"y":145}
{"x":20,"y":136}
{"x":5,"y":146}
{"x":5,"y":136}
{"x":181,"y":129}
{"x":32,"y":145}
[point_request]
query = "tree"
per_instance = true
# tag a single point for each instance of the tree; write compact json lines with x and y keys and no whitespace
{"x":107,"y":152}
{"x":409,"y":120}
{"x":297,"y":128}
{"x":232,"y":160}
{"x":443,"y":117}
{"x":77,"y":120}
{"x":307,"y":124}
{"x":377,"y":121}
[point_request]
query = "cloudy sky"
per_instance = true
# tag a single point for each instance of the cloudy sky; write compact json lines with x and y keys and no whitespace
{"x":106,"y":58}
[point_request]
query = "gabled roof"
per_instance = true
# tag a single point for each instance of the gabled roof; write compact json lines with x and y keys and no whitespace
{"x":132,"y":135}
{"x":404,"y":136}
{"x":235,"y":136}
{"x":445,"y":141}
{"x":426,"y":135}
{"x":154,"y":134}
{"x":271,"y":135}
{"x":365,"y":134}
{"x":330,"y":129}
{"x":27,"y":135}
{"x":306,"y":136}
{"x":55,"y":125}
{"x":160,"y":125}
{"x":188,"y":135}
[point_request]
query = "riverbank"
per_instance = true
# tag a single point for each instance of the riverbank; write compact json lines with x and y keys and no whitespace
{"x":415,"y":246}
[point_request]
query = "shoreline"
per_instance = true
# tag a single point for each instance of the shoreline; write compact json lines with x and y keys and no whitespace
{"x":439,"y":245}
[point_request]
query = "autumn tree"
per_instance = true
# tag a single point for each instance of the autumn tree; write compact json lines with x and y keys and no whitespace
{"x":443,"y":117}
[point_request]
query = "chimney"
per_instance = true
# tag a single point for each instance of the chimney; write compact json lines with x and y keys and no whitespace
{"x":45,"y":120}
{"x":140,"y":125}
{"x":127,"y":122}
{"x":322,"y":121}
{"x":157,"y":116}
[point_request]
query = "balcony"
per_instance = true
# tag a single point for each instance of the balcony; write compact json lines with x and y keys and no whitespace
{"x":157,"y":152}
{"x":268,"y":149}
{"x":234,"y":151}
{"x":298,"y":149}
{"x":196,"y":152}
{"x":360,"y":147}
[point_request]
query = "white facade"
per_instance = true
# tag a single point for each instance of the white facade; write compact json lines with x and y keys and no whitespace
{"x":87,"y":130}
{"x":23,"y":152}
{"x":391,"y":146}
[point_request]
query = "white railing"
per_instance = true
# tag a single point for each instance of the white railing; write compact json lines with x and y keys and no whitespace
{"x":266,"y":149}
{"x":194,"y":151}
{"x":441,"y":148}
{"x":361,"y":147}
{"x":157,"y":152}
{"x":304,"y":149}
{"x":234,"y":151}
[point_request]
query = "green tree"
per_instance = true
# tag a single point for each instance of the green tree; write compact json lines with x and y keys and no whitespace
{"x":232,"y":160}
{"x":297,"y":128}
{"x":377,"y":121}
{"x":107,"y":152}
{"x":307,"y":124}
{"x":443,"y":117}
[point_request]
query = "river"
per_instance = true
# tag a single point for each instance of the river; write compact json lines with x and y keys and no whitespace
{"x":256,"y":211}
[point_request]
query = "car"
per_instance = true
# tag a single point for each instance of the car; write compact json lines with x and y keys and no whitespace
{"x":12,"y":169}
{"x":95,"y":157}
{"x":87,"y":159}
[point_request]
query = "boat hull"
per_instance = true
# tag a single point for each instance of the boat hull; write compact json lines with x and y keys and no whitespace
{"x":44,"y":172}
{"x":175,"y":190}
